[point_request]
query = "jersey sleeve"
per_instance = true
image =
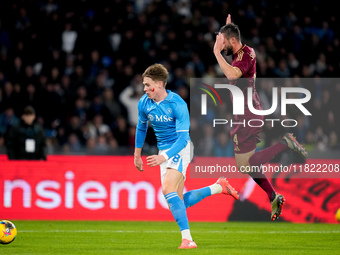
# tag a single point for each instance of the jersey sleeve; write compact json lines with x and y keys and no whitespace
{"x":181,"y":115}
{"x":142,"y":126}
{"x":141,"y":113}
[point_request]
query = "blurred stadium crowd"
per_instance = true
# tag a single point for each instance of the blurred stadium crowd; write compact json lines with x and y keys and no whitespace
{"x":79,"y":64}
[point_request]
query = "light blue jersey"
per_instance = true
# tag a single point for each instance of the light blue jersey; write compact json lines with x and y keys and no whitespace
{"x":169,"y":119}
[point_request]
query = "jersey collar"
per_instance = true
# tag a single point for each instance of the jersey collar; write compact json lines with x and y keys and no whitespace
{"x":235,"y":54}
{"x":169,"y":96}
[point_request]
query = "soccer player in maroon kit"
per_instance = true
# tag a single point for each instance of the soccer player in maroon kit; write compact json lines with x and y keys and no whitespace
{"x":244,"y":137}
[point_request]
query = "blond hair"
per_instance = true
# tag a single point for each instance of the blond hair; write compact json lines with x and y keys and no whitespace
{"x":156,"y":72}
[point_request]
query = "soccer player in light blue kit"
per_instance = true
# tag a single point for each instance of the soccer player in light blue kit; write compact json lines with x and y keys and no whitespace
{"x":169,"y":117}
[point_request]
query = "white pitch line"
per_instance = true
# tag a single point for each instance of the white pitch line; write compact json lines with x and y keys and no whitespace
{"x":172,"y":231}
{"x":96,"y":231}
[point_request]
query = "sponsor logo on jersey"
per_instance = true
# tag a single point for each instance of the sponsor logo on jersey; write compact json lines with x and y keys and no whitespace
{"x":150,"y":117}
{"x":163,"y":118}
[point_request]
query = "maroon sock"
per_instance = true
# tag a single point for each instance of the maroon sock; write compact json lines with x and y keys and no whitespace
{"x":261,"y":180}
{"x":261,"y":157}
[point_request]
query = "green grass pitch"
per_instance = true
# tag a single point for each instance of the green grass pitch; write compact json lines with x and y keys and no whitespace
{"x":125,"y":237}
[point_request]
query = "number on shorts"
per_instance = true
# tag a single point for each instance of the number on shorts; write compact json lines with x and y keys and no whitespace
{"x":235,"y":139}
{"x":176,"y":158}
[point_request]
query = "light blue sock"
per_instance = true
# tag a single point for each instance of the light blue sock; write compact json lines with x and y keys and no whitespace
{"x":192,"y":197}
{"x":178,"y":210}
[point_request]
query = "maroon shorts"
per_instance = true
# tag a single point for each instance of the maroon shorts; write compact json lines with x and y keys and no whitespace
{"x":245,"y":137}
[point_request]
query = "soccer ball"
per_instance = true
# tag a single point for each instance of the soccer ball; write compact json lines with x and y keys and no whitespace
{"x":8,"y":232}
{"x":337,"y":215}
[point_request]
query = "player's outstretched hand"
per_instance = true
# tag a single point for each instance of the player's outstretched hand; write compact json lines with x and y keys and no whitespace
{"x":228,"y":19}
{"x":139,"y":163}
{"x":155,"y":160}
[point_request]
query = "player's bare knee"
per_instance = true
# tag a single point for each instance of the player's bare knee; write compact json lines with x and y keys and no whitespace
{"x":167,"y":188}
{"x":164,"y":190}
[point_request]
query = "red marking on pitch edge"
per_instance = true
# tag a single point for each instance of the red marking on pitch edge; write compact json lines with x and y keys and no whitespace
{"x":213,"y":91}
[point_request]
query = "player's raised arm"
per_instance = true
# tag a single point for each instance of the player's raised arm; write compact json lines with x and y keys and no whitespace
{"x":222,"y":43}
{"x":228,"y":19}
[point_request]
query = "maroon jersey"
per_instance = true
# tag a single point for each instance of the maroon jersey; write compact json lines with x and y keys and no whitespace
{"x":246,"y":138}
{"x":245,"y":59}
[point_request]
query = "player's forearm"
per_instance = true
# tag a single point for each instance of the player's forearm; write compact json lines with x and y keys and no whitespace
{"x":229,"y":71}
{"x":181,"y":142}
{"x":138,"y":152}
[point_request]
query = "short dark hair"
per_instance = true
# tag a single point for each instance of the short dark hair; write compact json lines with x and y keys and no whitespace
{"x":29,"y":110}
{"x":157,"y":72}
{"x":231,"y":30}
